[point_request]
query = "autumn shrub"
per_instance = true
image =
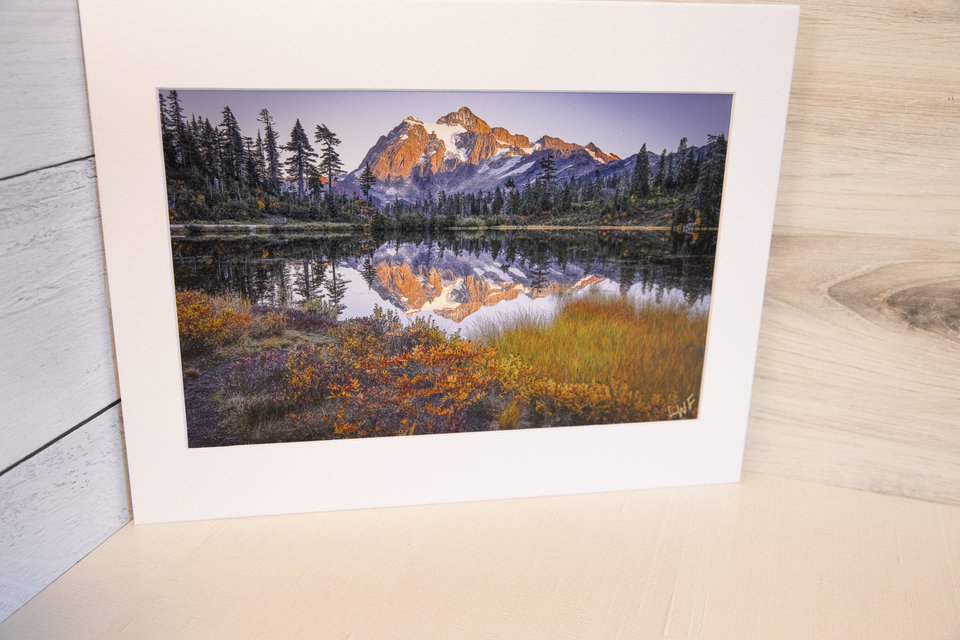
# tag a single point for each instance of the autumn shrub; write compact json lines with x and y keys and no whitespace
{"x":310,"y":317}
{"x":320,"y":306}
{"x":206,"y":321}
{"x":270,"y":323}
{"x":368,"y":377}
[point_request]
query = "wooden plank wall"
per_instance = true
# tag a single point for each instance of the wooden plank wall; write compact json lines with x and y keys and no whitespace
{"x":63,"y":482}
{"x":858,"y":371}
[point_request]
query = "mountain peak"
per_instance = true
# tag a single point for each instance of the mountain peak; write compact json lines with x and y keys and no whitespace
{"x":461,"y":148}
{"x":600,"y":155}
{"x":466,"y":119}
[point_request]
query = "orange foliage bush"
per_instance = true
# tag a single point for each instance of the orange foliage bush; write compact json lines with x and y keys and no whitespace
{"x":205,"y":321}
{"x":271,"y":323}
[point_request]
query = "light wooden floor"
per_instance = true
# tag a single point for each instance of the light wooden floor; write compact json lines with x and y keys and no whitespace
{"x":767,"y":558}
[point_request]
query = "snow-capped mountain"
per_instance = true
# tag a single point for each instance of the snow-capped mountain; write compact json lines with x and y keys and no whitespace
{"x":461,"y":152}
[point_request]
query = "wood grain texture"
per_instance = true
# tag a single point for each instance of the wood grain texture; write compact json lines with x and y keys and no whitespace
{"x":59,"y":505}
{"x":848,"y":391}
{"x":55,"y":337}
{"x":43,"y":100}
{"x":768,"y":558}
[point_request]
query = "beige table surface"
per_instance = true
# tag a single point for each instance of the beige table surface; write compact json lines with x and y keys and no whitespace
{"x":766,"y":558}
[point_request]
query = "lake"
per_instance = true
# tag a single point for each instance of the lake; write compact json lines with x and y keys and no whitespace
{"x":461,"y":280}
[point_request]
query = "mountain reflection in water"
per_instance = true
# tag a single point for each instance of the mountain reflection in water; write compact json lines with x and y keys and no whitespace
{"x":459,"y":279}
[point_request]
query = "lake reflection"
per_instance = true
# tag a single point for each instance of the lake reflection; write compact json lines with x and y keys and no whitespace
{"x":458,"y":279}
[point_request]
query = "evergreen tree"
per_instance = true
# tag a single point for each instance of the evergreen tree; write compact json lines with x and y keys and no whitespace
{"x":251,"y":167}
{"x":231,"y":146}
{"x":261,"y":161}
{"x":367,"y":180}
{"x":166,"y":133}
{"x":691,"y":169}
{"x":680,"y":159}
{"x":175,"y":122}
{"x":330,"y":162}
{"x":640,"y":180}
{"x":497,"y":205}
{"x":194,"y":139}
{"x":271,"y":152}
{"x":548,"y":170}
{"x":709,"y":188}
{"x":567,"y":196}
{"x":660,"y":178}
{"x":301,"y":165}
{"x":210,"y":150}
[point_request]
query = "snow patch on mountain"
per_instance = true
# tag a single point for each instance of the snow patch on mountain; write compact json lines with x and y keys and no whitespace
{"x":448,"y":133}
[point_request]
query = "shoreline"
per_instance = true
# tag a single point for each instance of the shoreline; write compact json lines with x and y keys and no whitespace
{"x":346,"y":226}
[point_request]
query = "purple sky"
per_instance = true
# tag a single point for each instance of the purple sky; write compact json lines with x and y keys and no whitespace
{"x":616,"y":122}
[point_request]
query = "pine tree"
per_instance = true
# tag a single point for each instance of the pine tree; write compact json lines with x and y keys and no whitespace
{"x":709,"y":189}
{"x":497,"y":206}
{"x":567,"y":195}
{"x":301,"y":165}
{"x":166,"y":133}
{"x":195,"y":158}
{"x":367,"y":180}
{"x":210,"y":150}
{"x":232,"y":146}
{"x":640,"y":180}
{"x":271,"y":152}
{"x":251,"y":166}
{"x":261,"y":160}
{"x":329,"y":158}
{"x":175,"y":122}
{"x":548,"y":171}
{"x":660,"y":178}
{"x":680,"y":159}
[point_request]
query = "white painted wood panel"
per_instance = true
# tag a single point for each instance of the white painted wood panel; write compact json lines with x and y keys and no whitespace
{"x":58,"y":505}
{"x":43,"y":100}
{"x":766,"y":559}
{"x":55,"y":339}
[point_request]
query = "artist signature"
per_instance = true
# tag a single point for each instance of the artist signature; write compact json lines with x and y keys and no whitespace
{"x":681,"y":410}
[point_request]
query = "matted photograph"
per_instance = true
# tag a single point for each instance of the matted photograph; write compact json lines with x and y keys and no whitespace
{"x":381,"y":253}
{"x":392,"y":263}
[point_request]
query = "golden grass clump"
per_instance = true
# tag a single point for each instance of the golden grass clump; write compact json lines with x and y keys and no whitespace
{"x":612,"y":342}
